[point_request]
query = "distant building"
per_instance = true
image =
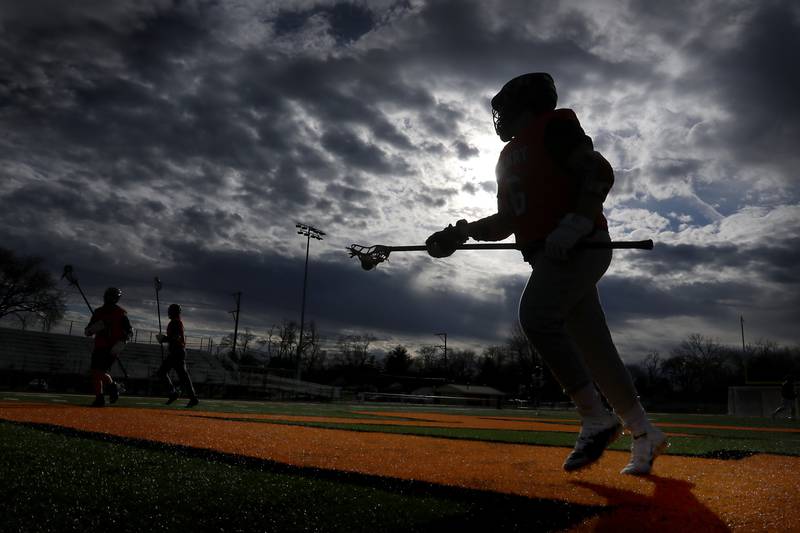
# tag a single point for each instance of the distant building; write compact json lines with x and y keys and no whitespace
{"x":453,"y":394}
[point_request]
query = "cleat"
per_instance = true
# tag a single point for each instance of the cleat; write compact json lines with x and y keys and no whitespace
{"x":99,"y":401}
{"x":113,"y":392}
{"x":172,"y":397}
{"x":595,"y":436}
{"x":192,"y":402}
{"x":646,"y":447}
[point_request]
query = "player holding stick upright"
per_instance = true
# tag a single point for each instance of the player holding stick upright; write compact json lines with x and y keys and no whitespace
{"x":111,"y":329}
{"x":176,"y":357}
{"x":551,"y":185}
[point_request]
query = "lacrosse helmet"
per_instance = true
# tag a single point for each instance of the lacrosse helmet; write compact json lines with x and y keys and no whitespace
{"x":535,"y":92}
{"x":174,"y":311}
{"x":112,"y":295}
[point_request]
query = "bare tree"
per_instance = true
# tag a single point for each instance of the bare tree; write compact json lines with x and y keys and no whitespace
{"x":354,"y":350}
{"x":428,"y":360}
{"x":462,"y":366}
{"x":652,"y":365}
{"x":311,"y":351}
{"x":287,"y":339}
{"x":27,"y":291}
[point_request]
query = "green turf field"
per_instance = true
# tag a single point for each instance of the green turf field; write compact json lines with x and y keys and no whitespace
{"x":699,"y":441}
{"x":55,"y":479}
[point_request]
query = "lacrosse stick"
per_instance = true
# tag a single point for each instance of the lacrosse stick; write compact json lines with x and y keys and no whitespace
{"x":157,"y":285}
{"x":70,"y":277}
{"x":371,"y":256}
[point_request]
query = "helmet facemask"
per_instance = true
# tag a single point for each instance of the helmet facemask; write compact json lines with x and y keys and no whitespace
{"x":174,"y":311}
{"x":535,"y":92}
{"x":111,"y":296}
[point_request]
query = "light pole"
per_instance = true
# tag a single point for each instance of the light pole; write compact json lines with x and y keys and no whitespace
{"x":444,"y":336}
{"x":311,"y":233}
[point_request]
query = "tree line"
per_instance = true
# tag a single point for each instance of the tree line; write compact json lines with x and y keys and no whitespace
{"x":697,"y":369}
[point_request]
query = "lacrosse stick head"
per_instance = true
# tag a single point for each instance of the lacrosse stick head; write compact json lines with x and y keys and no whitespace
{"x":369,"y":256}
{"x":68,"y":275}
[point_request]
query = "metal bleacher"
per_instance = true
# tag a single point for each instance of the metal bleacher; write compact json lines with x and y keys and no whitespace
{"x":63,"y":361}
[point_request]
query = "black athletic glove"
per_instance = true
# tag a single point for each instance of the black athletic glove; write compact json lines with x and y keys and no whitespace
{"x":444,"y":243}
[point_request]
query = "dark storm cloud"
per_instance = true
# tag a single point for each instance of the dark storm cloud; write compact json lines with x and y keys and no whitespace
{"x":465,"y":150}
{"x":356,"y":153}
{"x":772,"y":263}
{"x":340,"y":293}
{"x":161,"y":137}
{"x":747,"y":72}
{"x":347,"y":21}
{"x":760,"y":86}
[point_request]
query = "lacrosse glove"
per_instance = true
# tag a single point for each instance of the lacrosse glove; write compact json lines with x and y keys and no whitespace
{"x":561,"y":240}
{"x":444,"y":243}
{"x":161,"y":338}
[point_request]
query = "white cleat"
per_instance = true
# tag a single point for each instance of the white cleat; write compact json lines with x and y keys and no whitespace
{"x":595,"y":436}
{"x":646,"y":447}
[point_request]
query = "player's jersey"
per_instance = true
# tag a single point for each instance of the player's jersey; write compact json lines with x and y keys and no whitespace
{"x":177,"y":339}
{"x":532,"y":185}
{"x":117,"y":326}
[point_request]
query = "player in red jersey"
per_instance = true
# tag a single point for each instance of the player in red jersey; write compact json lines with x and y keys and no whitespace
{"x":176,"y":358}
{"x":111,"y":329}
{"x":551,"y":185}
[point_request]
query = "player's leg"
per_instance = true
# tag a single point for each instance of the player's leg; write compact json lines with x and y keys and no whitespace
{"x":109,"y":385}
{"x":553,"y":290}
{"x":186,"y":382}
{"x":97,"y":370}
{"x":587,"y":325}
{"x":163,"y":374}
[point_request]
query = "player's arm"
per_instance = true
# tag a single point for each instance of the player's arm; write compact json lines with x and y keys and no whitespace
{"x":495,"y":227}
{"x":595,"y":178}
{"x":127,"y":328}
{"x":592,"y":175}
{"x":573,"y":150}
{"x":95,"y":325}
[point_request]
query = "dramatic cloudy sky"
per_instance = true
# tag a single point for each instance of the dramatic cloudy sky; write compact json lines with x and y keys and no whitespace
{"x":185,"y":139}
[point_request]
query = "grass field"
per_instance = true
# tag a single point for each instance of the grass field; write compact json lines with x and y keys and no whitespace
{"x":253,"y":466}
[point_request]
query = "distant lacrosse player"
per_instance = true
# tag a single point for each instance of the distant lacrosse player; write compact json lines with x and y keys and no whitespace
{"x":176,"y":358}
{"x":111,"y":329}
{"x":789,"y":397}
{"x":551,"y":185}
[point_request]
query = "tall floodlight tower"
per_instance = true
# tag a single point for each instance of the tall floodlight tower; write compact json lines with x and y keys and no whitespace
{"x":311,"y":233}
{"x":443,"y":336}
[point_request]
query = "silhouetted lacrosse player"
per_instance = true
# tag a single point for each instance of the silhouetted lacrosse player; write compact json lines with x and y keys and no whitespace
{"x":176,"y":358}
{"x":111,"y":329}
{"x":788,"y":397}
{"x":551,"y":185}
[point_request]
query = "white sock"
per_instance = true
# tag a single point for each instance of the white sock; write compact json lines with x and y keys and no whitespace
{"x":588,"y":402}
{"x":635,"y":420}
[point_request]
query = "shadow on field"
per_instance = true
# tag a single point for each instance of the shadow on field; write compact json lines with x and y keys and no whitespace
{"x":486,"y":510}
{"x":672,"y":507}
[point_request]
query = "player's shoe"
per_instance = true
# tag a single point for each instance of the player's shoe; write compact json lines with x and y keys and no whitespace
{"x":113,"y":392}
{"x":172,"y":397}
{"x":99,"y":401}
{"x":193,"y":401}
{"x":646,"y":447}
{"x":597,"y":433}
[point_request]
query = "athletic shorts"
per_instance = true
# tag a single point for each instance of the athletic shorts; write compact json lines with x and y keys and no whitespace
{"x":102,"y":359}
